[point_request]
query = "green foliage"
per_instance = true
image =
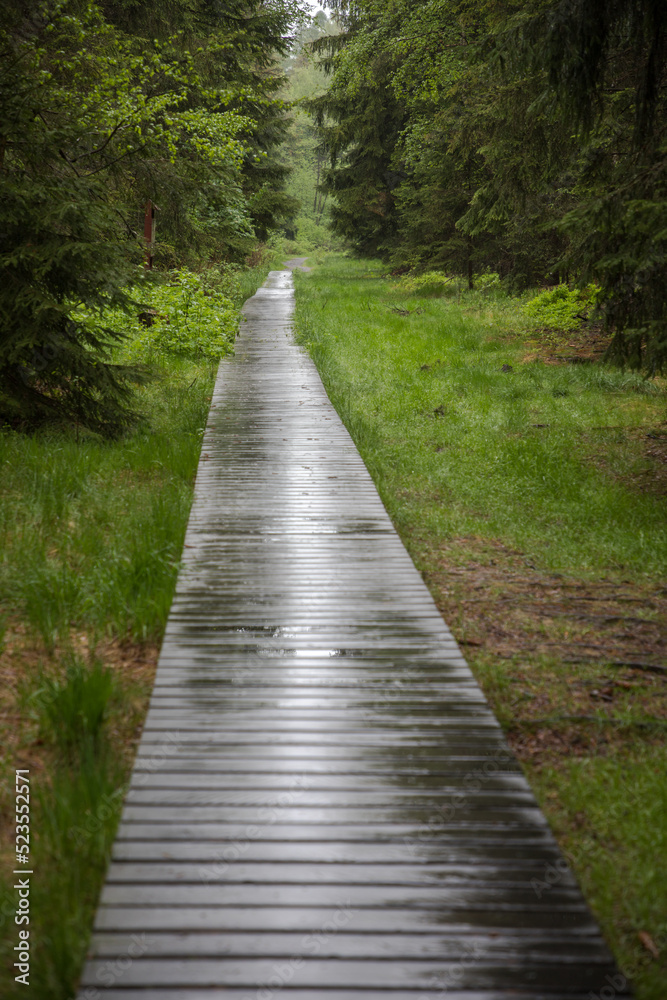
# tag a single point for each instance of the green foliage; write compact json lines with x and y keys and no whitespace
{"x":189,"y":320}
{"x":305,"y":80}
{"x":73,"y":708}
{"x":311,"y":236}
{"x":77,"y":815}
{"x":467,"y":439}
{"x":429,"y":283}
{"x":562,"y":308}
{"x":95,"y":121}
{"x":234,"y":48}
{"x":607,"y":67}
{"x":489,"y":282}
{"x":522,"y":139}
{"x":185,"y":316}
{"x":74,"y":817}
{"x":65,"y":502}
{"x":623,"y":801}
{"x":359,"y":121}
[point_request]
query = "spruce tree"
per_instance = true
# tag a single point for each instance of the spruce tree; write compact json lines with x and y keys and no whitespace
{"x":95,"y":120}
{"x":60,"y":243}
{"x":607,"y":68}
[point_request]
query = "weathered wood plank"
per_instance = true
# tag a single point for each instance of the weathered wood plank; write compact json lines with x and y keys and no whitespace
{"x":468,"y":970}
{"x":259,"y":992}
{"x":323,"y":806}
{"x":462,"y":921}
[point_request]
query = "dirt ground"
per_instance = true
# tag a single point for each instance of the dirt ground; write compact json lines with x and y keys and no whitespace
{"x":568,"y":665}
{"x":23,"y":661}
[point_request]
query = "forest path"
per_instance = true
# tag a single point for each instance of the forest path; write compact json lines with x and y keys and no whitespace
{"x":323,"y":805}
{"x":296,"y":264}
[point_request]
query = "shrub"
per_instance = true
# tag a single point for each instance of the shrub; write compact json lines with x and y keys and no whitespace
{"x":191,"y":315}
{"x":562,"y":308}
{"x":433,"y":283}
{"x":316,"y":236}
{"x":488,"y":281}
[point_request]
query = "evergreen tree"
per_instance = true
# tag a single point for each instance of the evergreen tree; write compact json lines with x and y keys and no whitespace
{"x":530,"y":138}
{"x":359,"y":120}
{"x":607,"y":68}
{"x":235,"y":47}
{"x":307,"y":80}
{"x":399,"y":145}
{"x":60,"y":242}
{"x":95,"y":121}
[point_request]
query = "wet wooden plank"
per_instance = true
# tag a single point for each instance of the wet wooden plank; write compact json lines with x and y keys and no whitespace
{"x":412,"y":834}
{"x":424,"y":896}
{"x":476,"y":851}
{"x":319,"y":973}
{"x":462,"y":874}
{"x":359,"y":785}
{"x":332,"y":993}
{"x":259,"y":992}
{"x":345,"y":944}
{"x":575,"y":923}
{"x":323,"y":806}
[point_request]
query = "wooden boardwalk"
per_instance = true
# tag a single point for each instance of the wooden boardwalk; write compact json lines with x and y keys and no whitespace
{"x":323,"y":806}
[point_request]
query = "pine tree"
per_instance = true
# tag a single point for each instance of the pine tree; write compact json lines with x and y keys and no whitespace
{"x":359,"y":122}
{"x":59,"y":234}
{"x":607,"y":67}
{"x":531,"y":138}
{"x":94,"y":121}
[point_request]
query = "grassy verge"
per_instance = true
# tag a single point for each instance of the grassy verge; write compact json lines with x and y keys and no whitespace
{"x":529,"y":482}
{"x":91,"y":534}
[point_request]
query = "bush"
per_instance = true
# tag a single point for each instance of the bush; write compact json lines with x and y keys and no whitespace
{"x":562,"y":308}
{"x":192,"y":315}
{"x":314,"y":236}
{"x":489,"y":281}
{"x":433,"y":283}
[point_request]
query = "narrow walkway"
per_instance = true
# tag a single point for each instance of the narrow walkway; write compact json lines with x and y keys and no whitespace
{"x":323,"y":806}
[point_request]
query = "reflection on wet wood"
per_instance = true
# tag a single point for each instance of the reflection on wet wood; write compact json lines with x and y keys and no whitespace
{"x":323,"y":806}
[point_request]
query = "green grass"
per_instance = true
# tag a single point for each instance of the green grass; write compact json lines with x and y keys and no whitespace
{"x":91,"y":531}
{"x":489,"y":462}
{"x":617,"y":847}
{"x":91,"y":534}
{"x":478,"y":461}
{"x":72,"y":708}
{"x":74,"y":814}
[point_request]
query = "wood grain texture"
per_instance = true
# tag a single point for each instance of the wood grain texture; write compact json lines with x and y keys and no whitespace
{"x":323,"y":807}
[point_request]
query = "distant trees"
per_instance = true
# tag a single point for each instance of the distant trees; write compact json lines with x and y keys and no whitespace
{"x":305,"y":79}
{"x":526,"y":138}
{"x":606,"y":73}
{"x":102,"y":108}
